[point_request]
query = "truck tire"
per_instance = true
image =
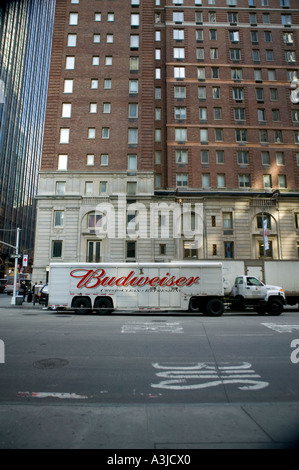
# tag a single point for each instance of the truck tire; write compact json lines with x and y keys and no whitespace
{"x":194,"y":304}
{"x":275,"y":307}
{"x":103,"y":306}
{"x":215,"y":307}
{"x":82,"y":306}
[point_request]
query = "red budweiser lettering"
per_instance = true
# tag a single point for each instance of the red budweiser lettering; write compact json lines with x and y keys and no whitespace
{"x":90,"y":279}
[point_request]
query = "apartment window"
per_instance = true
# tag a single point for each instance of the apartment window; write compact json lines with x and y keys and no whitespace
{"x":288,"y":38}
{"x":178,"y":34}
{"x":218,"y":135}
{"x":205,"y":158}
{"x":60,"y":188}
{"x":133,"y":136}
{"x":106,"y":108}
{"x":132,"y":162}
{"x":244,"y":181}
{"x":93,"y":252}
{"x":199,"y":35}
{"x":66,"y":111}
{"x":238,"y":94}
{"x":133,"y":86}
{"x":133,"y":110}
{"x":203,"y":116}
{"x":180,"y":112}
{"x":261,"y":115}
{"x":103,"y":187}
{"x":216,"y":93}
{"x":190,"y":249}
{"x":96,"y":38}
{"x":280,"y":159}
{"x":201,"y":73}
{"x":70,"y":63}
{"x":180,"y":92}
{"x":95,"y":60}
{"x":88,"y":187}
{"x":267,"y":181}
{"x":135,"y":20}
{"x":105,"y":133}
{"x":182,"y":180}
{"x":200,"y":53}
{"x":235,"y":54}
{"x":94,"y":84}
{"x":243,"y":157}
{"x":217,"y":113}
{"x":202,"y":93}
{"x":73,"y":19}
{"x":179,"y":72}
{"x":93,"y":108}
{"x":179,"y":53}
{"x":282,"y":181}
{"x":109,"y":38}
{"x":68,"y":86}
{"x":241,"y":135}
{"x":134,"y":63}
{"x":134,"y":41}
{"x":232,"y":18}
{"x":239,"y":114}
{"x":64,"y":135}
{"x":104,"y":159}
{"x":286,"y":20}
{"x":263,"y":136}
{"x":236,"y":74}
{"x":212,"y":17}
{"x":214,"y":54}
{"x":227,"y":218}
{"x":62,"y":162}
{"x":56,"y":248}
{"x":221,"y":183}
{"x":181,"y":156}
{"x":180,"y":135}
{"x":131,"y":188}
{"x":178,"y":17}
{"x":107,"y":84}
{"x":72,"y":40}
{"x":91,"y":133}
{"x":97,"y":16}
{"x":90,"y":160}
{"x":131,"y":249}
{"x":229,"y":250}
{"x":58,"y":219}
{"x":265,"y":158}
{"x":220,"y":157}
{"x":205,"y":180}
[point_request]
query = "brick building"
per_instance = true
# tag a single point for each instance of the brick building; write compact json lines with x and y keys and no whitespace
{"x":170,"y":132}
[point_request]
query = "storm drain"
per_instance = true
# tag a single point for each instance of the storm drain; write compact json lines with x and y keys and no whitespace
{"x":50,"y":363}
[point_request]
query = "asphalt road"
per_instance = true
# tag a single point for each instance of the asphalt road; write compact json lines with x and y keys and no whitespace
{"x":167,"y":381}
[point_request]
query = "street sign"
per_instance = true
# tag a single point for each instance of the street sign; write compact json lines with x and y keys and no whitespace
{"x":16,"y":256}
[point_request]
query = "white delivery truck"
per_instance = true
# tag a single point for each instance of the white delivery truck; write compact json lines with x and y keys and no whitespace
{"x":270,"y":272}
{"x":104,"y":287}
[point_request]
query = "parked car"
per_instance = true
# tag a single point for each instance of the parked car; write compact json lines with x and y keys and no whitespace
{"x":44,"y":295}
{"x":2,"y":285}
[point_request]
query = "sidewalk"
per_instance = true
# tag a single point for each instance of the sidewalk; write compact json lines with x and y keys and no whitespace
{"x":5,"y":302}
{"x":173,"y":426}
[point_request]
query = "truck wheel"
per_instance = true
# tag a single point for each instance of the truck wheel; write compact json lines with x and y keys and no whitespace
{"x":194,"y":304}
{"x":275,"y":307}
{"x":215,"y":307}
{"x":82,"y":306}
{"x":104,"y":306}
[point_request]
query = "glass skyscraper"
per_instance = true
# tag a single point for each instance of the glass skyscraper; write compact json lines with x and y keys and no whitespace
{"x":26,"y":28}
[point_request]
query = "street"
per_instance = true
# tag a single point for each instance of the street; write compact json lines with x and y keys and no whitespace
{"x":141,"y":381}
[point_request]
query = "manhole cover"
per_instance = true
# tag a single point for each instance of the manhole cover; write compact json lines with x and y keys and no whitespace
{"x":50,"y":363}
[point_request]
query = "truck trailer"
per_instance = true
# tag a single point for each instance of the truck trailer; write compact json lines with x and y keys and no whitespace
{"x":181,"y":286}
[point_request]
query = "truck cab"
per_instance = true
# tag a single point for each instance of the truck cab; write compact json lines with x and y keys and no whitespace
{"x":249,"y":291}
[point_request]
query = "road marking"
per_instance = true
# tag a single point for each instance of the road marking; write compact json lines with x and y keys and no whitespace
{"x":281,"y":328}
{"x":60,"y":395}
{"x":141,"y":327}
{"x":183,"y":377}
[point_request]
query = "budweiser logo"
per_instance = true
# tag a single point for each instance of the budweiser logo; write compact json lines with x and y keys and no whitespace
{"x":92,"y":278}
